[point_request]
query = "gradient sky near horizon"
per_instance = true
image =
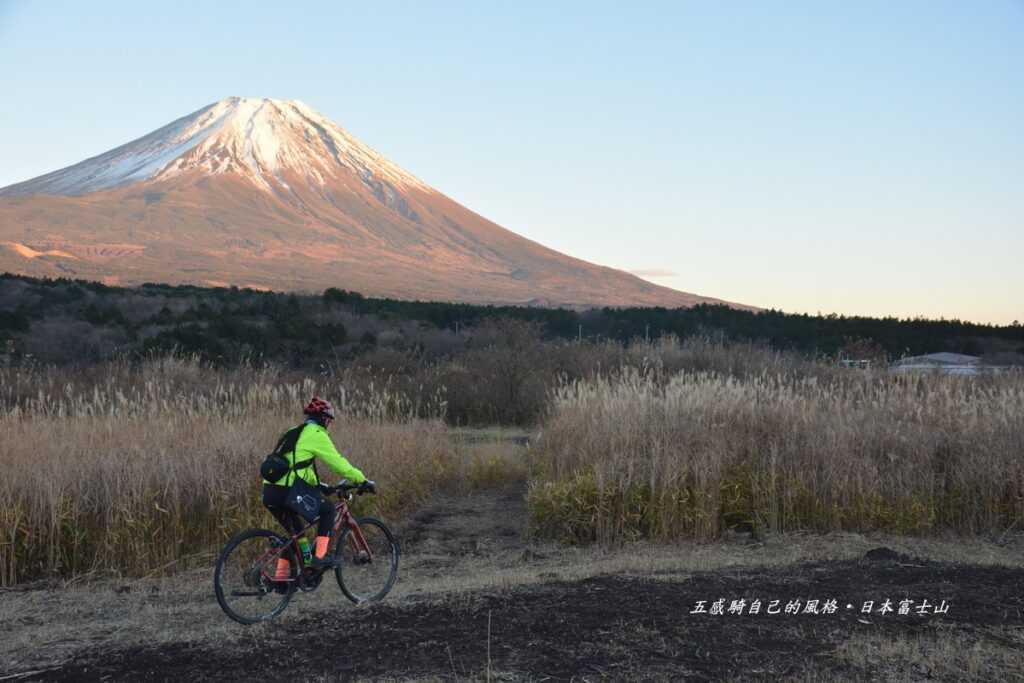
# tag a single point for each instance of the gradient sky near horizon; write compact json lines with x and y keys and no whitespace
{"x":857,"y":158}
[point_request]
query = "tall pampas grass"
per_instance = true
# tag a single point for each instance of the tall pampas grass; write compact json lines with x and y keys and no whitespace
{"x":646,"y":452}
{"x":146,"y":468}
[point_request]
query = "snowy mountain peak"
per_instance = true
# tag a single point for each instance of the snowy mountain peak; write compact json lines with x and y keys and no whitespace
{"x":259,"y":139}
{"x":270,"y":194}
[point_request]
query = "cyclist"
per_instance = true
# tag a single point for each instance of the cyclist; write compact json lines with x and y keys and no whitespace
{"x":314,"y":442}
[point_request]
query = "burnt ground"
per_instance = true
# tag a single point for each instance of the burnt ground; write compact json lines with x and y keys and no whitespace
{"x":626,"y":625}
{"x":602,"y":627}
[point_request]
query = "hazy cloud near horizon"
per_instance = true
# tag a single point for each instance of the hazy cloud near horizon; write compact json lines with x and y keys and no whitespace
{"x":654,"y":272}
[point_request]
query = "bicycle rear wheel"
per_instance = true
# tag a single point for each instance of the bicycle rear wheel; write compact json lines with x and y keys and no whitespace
{"x":243,"y":579}
{"x":366,"y":577}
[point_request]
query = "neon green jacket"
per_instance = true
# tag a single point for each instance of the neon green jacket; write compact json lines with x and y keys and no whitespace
{"x":315,"y":442}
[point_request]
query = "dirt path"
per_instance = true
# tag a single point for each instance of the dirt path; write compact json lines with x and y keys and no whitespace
{"x":476,"y":601}
{"x":452,"y":534}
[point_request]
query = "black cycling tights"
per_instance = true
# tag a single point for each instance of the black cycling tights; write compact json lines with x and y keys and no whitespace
{"x":273,"y":500}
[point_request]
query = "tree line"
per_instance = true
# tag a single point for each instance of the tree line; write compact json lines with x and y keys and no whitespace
{"x":65,"y":320}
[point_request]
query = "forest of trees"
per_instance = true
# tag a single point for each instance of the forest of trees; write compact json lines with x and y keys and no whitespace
{"x":66,"y":321}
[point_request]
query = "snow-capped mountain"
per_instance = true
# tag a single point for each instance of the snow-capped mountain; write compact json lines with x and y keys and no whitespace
{"x":271,"y":194}
{"x":257,"y":139}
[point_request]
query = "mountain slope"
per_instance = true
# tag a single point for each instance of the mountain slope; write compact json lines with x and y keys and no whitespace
{"x":270,"y":194}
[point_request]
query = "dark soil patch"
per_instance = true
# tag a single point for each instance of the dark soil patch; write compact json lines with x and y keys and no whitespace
{"x":612,"y":627}
{"x":885,"y":555}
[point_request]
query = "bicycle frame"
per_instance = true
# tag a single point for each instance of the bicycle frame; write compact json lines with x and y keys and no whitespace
{"x":342,"y":518}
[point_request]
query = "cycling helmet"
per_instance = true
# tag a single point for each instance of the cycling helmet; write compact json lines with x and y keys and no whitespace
{"x":319,"y":408}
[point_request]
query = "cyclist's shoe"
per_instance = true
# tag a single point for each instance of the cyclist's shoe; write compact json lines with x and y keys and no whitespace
{"x":323,"y":563}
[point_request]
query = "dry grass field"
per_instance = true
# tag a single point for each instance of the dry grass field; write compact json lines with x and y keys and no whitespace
{"x":643,"y":453}
{"x":575,"y":551}
{"x":148,"y":470}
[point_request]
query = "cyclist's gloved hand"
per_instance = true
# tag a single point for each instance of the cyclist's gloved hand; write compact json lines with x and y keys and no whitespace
{"x":368,"y":486}
{"x":324,"y":488}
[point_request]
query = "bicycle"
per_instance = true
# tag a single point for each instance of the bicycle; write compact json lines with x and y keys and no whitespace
{"x":366,"y":556}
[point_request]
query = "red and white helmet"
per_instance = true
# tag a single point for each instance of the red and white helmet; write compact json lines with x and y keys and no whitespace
{"x":318,"y":407}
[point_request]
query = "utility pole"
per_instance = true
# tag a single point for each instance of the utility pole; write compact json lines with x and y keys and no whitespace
{"x":579,"y":335}
{"x":647,"y":335}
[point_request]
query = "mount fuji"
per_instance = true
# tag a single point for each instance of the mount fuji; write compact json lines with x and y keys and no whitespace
{"x":270,"y":194}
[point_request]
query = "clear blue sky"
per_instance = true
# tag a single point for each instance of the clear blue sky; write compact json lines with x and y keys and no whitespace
{"x":850,"y":157}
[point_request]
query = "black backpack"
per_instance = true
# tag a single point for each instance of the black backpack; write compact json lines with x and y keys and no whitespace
{"x":275,"y":466}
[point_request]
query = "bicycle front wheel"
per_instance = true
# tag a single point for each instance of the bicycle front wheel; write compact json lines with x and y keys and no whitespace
{"x":366,"y":573}
{"x":243,"y":579}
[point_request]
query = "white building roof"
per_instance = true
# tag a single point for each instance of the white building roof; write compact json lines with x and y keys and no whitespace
{"x":943,"y":358}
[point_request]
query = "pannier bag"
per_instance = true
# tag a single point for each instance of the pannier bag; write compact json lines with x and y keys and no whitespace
{"x":303,"y":499}
{"x":275,"y":465}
